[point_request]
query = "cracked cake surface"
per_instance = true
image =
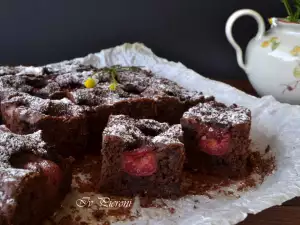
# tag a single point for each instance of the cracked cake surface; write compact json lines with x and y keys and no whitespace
{"x":141,"y":156}
{"x":216,"y":112}
{"x":216,"y":138}
{"x":11,"y":144}
{"x":28,"y":173}
{"x":37,"y":98}
{"x":128,"y":114}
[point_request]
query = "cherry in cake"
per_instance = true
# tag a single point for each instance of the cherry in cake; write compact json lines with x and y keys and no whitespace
{"x":32,"y":181}
{"x":141,"y":156}
{"x":63,"y":123}
{"x":72,"y":116}
{"x":131,"y":120}
{"x":216,"y":138}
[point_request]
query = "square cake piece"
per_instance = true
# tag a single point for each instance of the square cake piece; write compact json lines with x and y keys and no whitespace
{"x":69,"y":98}
{"x":216,"y":138}
{"x":141,"y":157}
{"x":33,"y":181}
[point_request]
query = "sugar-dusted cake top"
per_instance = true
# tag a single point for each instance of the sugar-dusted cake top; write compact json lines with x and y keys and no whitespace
{"x":215,"y":112}
{"x":11,"y":180}
{"x":28,"y":104}
{"x":67,"y":80}
{"x":142,"y":130}
{"x":172,"y":135}
{"x":11,"y":144}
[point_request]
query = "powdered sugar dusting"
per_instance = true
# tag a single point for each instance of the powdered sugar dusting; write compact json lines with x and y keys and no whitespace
{"x":11,"y":174}
{"x":10,"y":179}
{"x":11,"y":143}
{"x":64,"y":107}
{"x":124,"y":127}
{"x":34,"y":103}
{"x":27,"y":103}
{"x":20,"y":70}
{"x":131,"y":130}
{"x":219,"y":113}
{"x":35,"y":87}
{"x":30,"y":70}
{"x":65,"y":66}
{"x":172,"y":135}
{"x":148,"y":124}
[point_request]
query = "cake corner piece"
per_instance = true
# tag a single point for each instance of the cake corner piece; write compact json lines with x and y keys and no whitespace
{"x":141,"y":157}
{"x":216,"y":138}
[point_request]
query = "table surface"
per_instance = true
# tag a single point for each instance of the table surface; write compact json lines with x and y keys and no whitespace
{"x":286,"y":214}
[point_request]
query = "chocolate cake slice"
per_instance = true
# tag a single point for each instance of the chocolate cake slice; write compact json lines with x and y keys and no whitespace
{"x":138,"y":94}
{"x":33,"y":182}
{"x":141,"y":156}
{"x":216,"y":138}
{"x":62,"y":122}
{"x":54,"y":99}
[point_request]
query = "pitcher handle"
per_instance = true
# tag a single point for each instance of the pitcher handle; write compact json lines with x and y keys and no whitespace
{"x":228,"y":30}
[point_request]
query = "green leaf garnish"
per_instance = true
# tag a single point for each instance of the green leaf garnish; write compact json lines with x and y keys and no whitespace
{"x":275,"y":45}
{"x":113,"y":86}
{"x":296,"y":72}
{"x":113,"y":71}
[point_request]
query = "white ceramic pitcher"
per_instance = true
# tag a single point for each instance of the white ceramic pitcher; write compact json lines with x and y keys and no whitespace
{"x":272,"y":60}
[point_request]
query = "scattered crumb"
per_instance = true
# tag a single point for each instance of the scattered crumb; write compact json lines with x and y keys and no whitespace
{"x":194,"y":183}
{"x":66,"y":220}
{"x":267,"y":149}
{"x":84,"y":223}
{"x":78,"y":218}
{"x":98,"y":214}
{"x":172,"y":210}
{"x":91,"y":165}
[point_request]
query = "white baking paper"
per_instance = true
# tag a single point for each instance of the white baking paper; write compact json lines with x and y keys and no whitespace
{"x":274,"y":124}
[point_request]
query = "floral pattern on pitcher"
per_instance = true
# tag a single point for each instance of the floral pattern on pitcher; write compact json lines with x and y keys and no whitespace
{"x":290,"y":87}
{"x":296,"y":72}
{"x":273,"y":42}
{"x":295,"y":51}
{"x":272,"y":57}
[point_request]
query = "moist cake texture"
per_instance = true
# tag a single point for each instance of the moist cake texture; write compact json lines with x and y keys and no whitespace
{"x":216,"y":138}
{"x":142,"y":157}
{"x":32,"y":183}
{"x":129,"y":115}
{"x":54,"y":96}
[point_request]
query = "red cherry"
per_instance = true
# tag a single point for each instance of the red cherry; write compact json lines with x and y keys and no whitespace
{"x":50,"y":169}
{"x":215,"y":145}
{"x":140,"y":162}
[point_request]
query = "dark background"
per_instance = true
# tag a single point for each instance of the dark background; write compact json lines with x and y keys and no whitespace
{"x":190,"y":31}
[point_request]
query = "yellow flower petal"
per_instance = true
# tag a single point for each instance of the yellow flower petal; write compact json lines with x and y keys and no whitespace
{"x":90,"y":83}
{"x":270,"y":21}
{"x":273,"y":39}
{"x":295,"y":51}
{"x":265,"y":44}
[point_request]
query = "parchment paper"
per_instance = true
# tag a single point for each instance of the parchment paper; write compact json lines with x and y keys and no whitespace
{"x":274,"y":124}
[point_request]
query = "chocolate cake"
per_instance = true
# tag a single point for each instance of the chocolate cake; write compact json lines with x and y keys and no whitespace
{"x":216,"y":138}
{"x":33,"y":181}
{"x":141,"y":156}
{"x":127,"y":113}
{"x":53,"y":99}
